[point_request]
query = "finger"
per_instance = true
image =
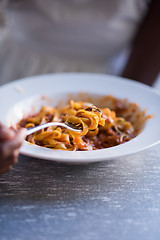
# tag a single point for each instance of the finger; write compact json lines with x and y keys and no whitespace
{"x":6,"y":133}
{"x":12,"y":159}
{"x":8,"y":147}
{"x":7,"y":164}
{"x":6,"y":169}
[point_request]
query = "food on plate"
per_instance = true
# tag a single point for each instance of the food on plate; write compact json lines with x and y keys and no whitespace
{"x":114,"y":121}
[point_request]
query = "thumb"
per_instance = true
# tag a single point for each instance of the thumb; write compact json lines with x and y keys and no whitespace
{"x":6,"y":133}
{"x":14,"y":143}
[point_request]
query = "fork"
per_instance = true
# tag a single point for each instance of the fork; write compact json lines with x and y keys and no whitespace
{"x":51,"y":124}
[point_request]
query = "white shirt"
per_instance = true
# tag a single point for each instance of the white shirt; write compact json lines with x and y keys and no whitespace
{"x":74,"y":35}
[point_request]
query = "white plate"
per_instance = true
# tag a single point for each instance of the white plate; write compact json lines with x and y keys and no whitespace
{"x":21,"y":96}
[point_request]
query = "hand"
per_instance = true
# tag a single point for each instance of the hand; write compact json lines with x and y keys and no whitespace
{"x":10,"y":143}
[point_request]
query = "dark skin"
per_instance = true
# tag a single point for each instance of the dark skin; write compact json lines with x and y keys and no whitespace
{"x":143,"y":65}
{"x":144,"y":62}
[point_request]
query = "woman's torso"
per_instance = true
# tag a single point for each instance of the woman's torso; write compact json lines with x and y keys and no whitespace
{"x":75,"y":35}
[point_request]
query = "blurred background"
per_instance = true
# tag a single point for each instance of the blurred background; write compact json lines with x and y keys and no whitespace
{"x":38,"y":37}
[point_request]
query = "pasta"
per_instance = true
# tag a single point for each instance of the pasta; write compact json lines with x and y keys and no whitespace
{"x":99,"y":127}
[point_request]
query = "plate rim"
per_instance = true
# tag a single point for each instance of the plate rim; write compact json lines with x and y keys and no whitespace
{"x":83,"y":160}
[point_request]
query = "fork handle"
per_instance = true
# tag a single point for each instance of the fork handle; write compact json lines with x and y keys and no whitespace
{"x":50,"y":124}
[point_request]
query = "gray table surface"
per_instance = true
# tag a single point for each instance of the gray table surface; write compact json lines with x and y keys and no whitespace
{"x":116,"y":199}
